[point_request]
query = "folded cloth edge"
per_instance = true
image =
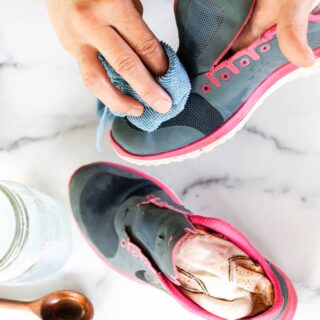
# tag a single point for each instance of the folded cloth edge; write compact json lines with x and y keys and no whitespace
{"x":175,"y":81}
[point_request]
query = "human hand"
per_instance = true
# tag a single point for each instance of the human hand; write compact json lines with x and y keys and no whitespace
{"x":291,"y":17}
{"x":116,"y":29}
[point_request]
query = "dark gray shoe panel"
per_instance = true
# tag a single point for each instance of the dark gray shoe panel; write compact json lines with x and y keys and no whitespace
{"x":284,"y":291}
{"x":106,"y":201}
{"x":206,"y":27}
{"x":198,"y":114}
{"x":314,"y":35}
{"x":162,"y":140}
{"x":96,"y":193}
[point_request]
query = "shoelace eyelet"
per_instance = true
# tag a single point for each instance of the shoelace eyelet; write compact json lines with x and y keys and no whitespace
{"x":225,"y":76}
{"x":206,"y":88}
{"x":244,"y":62}
{"x":265,"y":48}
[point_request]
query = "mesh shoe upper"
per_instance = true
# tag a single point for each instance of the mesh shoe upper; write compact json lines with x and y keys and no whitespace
{"x":201,"y":13}
{"x":198,"y":114}
{"x":197,"y":120}
{"x":206,"y":30}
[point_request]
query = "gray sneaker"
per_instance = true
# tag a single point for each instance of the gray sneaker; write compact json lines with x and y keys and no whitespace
{"x":135,"y":223}
{"x":225,"y":90}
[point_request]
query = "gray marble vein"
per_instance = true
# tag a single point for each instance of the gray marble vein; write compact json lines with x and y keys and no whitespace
{"x":23,"y":141}
{"x":224,"y":181}
{"x":277,"y":143}
{"x":235,"y":183}
{"x":7,"y":64}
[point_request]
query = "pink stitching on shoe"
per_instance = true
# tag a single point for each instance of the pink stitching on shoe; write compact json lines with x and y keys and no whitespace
{"x":249,"y":51}
{"x":211,"y":77}
{"x":232,"y":67}
{"x":157,"y":201}
{"x":229,"y":64}
{"x":136,"y":252}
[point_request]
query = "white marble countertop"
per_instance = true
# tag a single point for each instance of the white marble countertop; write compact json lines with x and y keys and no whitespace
{"x":266,"y":181}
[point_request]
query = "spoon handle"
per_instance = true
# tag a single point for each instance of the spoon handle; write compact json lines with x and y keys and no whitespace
{"x":13,"y":304}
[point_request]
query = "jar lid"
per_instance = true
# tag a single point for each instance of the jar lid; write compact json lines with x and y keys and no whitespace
{"x":8,"y":225}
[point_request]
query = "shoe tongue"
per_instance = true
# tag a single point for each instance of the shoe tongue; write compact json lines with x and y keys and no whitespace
{"x":157,"y":231}
{"x":207,"y":29}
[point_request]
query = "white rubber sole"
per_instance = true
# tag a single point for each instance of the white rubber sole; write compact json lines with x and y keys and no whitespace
{"x":299,"y":73}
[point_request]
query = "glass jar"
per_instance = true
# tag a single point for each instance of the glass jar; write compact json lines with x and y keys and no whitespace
{"x":35,"y":239}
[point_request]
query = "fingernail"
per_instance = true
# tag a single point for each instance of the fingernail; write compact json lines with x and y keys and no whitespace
{"x":135,"y":112}
{"x":163,"y":106}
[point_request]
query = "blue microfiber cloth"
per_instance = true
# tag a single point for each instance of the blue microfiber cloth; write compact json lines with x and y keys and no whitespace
{"x":176,"y":82}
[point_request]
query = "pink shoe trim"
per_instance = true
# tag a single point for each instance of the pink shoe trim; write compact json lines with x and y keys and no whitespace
{"x":242,"y":242}
{"x":236,"y":237}
{"x":314,"y":18}
{"x":137,"y":253}
{"x":250,"y":51}
{"x":212,"y":78}
{"x":224,"y":129}
{"x":270,"y":314}
{"x":233,"y":68}
{"x":162,"y":204}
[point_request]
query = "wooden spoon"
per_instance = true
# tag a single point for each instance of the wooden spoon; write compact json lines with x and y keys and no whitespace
{"x":60,"y":305}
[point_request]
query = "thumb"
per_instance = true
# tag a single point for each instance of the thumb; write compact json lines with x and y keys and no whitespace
{"x":292,"y":31}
